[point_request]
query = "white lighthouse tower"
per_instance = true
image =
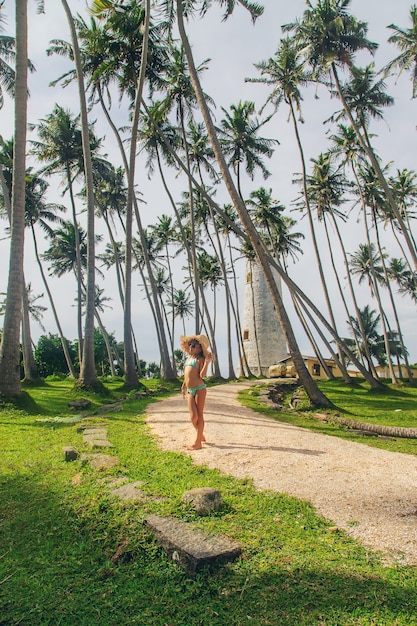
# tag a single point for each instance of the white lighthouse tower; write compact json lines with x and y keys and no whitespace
{"x":263,"y":338}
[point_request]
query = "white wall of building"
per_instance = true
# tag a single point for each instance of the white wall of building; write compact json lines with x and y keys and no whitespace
{"x":263,"y":338}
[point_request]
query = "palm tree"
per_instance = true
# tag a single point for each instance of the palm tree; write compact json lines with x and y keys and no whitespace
{"x":345,"y":145}
{"x":406,"y":41}
{"x":10,"y":343}
{"x":163,"y":282}
{"x":210,"y":272}
{"x":314,"y":393}
{"x":7,"y":56}
{"x":404,"y":187}
{"x":374,"y":342}
{"x":372,"y":199}
{"x":267,"y":215}
{"x":110,"y":201}
{"x":6,"y":167}
{"x":406,"y":279}
{"x":165,"y":232}
{"x":182,"y":305}
{"x":240,"y":141}
{"x":61,"y":253}
{"x":365,"y":263}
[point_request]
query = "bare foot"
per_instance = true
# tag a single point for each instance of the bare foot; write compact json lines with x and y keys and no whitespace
{"x":195,"y":446}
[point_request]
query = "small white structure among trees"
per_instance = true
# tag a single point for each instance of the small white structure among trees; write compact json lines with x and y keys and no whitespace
{"x":263,"y":338}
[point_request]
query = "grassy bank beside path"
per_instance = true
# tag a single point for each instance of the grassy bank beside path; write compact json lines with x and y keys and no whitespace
{"x":391,"y":406}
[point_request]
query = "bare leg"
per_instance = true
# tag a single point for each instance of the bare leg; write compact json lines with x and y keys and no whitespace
{"x":196,"y":407}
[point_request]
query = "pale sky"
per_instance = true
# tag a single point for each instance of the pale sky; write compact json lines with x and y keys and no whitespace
{"x":233,"y":47}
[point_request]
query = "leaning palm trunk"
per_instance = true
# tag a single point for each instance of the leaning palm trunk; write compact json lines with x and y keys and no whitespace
{"x":316,"y":397}
{"x":10,"y":346}
{"x":393,"y":305}
{"x":29,"y":364}
{"x":54,"y":312}
{"x":231,"y":371}
{"x":293,"y":288}
{"x":357,"y":312}
{"x":303,"y":312}
{"x":373,"y":281}
{"x":109,"y":350}
{"x":88,"y":375}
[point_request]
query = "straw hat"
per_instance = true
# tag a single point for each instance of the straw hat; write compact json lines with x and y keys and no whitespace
{"x":201,"y":339}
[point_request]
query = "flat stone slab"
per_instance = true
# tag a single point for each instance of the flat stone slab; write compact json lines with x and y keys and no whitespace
{"x":98,"y":443}
{"x":103,"y":461}
{"x":131,"y":491}
{"x":97,"y":437}
{"x":93,"y":431}
{"x":192,"y":549}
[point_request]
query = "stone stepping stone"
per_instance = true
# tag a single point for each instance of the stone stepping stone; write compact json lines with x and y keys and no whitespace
{"x":192,"y":549}
{"x":204,"y":500}
{"x":130,"y":491}
{"x":103,"y":461}
{"x":97,"y":438}
{"x":70,"y":453}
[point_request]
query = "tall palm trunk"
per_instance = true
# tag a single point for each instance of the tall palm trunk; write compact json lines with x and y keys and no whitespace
{"x":78,"y":264}
{"x":30,"y":369}
{"x":196,"y":282}
{"x":231,"y":371}
{"x":131,"y":377}
{"x":10,"y":346}
{"x":88,"y":375}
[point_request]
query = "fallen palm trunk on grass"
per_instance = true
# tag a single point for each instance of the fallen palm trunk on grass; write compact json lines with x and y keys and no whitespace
{"x":375,"y":429}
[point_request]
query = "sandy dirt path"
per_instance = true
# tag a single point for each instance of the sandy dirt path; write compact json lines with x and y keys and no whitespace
{"x":370,"y":493}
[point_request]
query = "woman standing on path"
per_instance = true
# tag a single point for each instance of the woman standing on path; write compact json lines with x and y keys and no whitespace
{"x":194,"y":387}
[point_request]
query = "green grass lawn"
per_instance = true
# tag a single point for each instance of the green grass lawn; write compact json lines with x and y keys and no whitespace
{"x":60,"y":528}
